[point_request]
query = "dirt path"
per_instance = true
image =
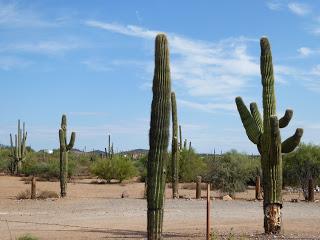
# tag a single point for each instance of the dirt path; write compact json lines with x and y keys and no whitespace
{"x":97,"y":212}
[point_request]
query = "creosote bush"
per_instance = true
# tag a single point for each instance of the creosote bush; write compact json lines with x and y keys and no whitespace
{"x":190,"y":166}
{"x":48,"y":169}
{"x":118,"y":167}
{"x":231,"y":172}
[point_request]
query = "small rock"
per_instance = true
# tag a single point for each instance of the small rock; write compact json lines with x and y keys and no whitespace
{"x":125,"y":194}
{"x":226,"y":198}
{"x":294,"y":200}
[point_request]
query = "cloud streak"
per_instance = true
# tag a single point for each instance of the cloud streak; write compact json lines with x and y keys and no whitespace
{"x":299,"y":8}
{"x":204,"y":68}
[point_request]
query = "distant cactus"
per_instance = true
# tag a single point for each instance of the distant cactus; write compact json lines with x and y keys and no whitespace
{"x":175,"y":148}
{"x":266,"y":135}
{"x":18,"y":151}
{"x":158,"y":138}
{"x":64,"y":149}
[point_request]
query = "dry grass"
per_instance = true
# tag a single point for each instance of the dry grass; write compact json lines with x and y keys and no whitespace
{"x":47,"y":194}
{"x":26,"y":194}
{"x":192,"y":186}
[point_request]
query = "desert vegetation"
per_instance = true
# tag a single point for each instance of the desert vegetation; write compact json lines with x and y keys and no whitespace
{"x":280,"y":164}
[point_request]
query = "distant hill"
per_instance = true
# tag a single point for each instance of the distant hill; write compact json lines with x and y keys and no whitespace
{"x":139,"y":151}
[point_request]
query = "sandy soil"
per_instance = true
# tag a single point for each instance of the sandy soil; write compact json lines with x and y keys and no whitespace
{"x":96,"y":211}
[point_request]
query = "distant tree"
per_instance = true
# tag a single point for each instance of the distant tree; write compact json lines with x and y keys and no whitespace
{"x":301,"y":165}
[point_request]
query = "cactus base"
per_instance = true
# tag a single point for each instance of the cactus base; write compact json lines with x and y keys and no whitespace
{"x":155,"y":220}
{"x":272,"y":219}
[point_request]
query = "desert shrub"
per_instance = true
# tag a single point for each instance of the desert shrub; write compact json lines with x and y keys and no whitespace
{"x":118,"y":167}
{"x":26,"y":194}
{"x":231,"y":172}
{"x":141,"y":165}
{"x":27,"y":237}
{"x":191,"y":165}
{"x":47,"y":194}
{"x":301,"y":165}
{"x":4,"y":159}
{"x":47,"y":169}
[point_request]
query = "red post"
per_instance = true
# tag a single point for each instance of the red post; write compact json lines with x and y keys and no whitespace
{"x":208,"y":211}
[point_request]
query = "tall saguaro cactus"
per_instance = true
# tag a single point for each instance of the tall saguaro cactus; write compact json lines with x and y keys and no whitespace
{"x":18,"y":150}
{"x":266,"y":135}
{"x":158,"y":138}
{"x":64,"y":149}
{"x":174,"y":147}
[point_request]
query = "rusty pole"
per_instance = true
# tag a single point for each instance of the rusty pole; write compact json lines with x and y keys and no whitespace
{"x":208,"y":211}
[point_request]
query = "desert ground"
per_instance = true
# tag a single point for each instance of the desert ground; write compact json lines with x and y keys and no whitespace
{"x":97,"y":211}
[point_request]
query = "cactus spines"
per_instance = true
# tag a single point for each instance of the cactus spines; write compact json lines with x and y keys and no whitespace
{"x":64,"y":149}
{"x":18,"y":151}
{"x":180,"y":137}
{"x":264,"y":132}
{"x":175,"y":148}
{"x":158,"y":138}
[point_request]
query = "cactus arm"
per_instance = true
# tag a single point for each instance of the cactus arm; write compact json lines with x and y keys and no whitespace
{"x":72,"y":140}
{"x":16,"y":148}
{"x":248,"y":122}
{"x":256,"y":115}
{"x":11,"y":144}
{"x":284,"y":121}
{"x":292,"y":142}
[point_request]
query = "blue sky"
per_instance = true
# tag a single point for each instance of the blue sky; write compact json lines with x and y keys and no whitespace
{"x":93,"y":60}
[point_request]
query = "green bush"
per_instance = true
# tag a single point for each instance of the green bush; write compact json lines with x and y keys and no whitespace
{"x":27,"y":237}
{"x":301,"y":165}
{"x":191,"y":165}
{"x":118,"y":167}
{"x":47,"y":169}
{"x":231,"y":172}
{"x":141,"y":165}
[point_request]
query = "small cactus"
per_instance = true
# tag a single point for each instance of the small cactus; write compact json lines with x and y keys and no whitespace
{"x":64,"y":149}
{"x":158,"y":138}
{"x":18,"y":151}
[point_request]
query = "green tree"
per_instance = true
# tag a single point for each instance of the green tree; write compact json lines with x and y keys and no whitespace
{"x":301,"y":165}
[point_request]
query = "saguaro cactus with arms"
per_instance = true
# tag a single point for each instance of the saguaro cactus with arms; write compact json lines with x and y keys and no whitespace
{"x":64,"y":149}
{"x":266,"y":135}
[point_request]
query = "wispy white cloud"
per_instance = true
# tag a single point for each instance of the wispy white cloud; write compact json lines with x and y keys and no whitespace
{"x":9,"y":63}
{"x":275,"y":5}
{"x":203,"y":68}
{"x":213,"y":70}
{"x":12,"y":15}
{"x":43,"y":47}
{"x":299,"y":8}
{"x":97,"y":65}
{"x":304,"y":51}
{"x":207,"y":107}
